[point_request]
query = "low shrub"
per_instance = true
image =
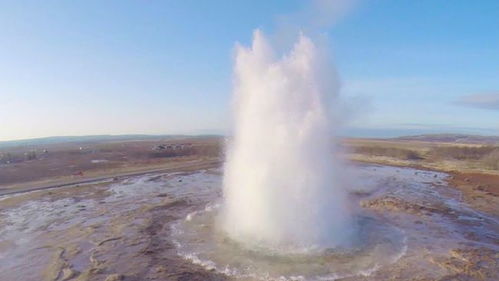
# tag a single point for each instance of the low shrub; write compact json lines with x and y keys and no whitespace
{"x":395,"y":152}
{"x":491,"y":160}
{"x":461,"y":152}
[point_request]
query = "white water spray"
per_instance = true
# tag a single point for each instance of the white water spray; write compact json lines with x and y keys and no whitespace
{"x":281,"y":186}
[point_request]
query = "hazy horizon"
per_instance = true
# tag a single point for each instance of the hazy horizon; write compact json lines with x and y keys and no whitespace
{"x":354,"y":133}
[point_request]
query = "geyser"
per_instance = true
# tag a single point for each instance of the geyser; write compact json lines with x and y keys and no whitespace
{"x":281,"y":182}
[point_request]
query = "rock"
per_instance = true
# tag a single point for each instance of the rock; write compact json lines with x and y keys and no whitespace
{"x":114,"y":277}
{"x":392,"y":203}
{"x":161,"y":269}
{"x":470,"y":264}
{"x":68,"y":274}
{"x":480,"y":187}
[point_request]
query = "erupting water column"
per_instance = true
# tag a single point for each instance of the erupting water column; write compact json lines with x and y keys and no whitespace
{"x":281,"y":185}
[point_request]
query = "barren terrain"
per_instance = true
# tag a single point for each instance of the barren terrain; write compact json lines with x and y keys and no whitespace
{"x":71,"y":217}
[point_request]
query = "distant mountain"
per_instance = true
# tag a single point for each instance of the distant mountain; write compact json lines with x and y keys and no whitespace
{"x":452,"y":138}
{"x":81,"y":139}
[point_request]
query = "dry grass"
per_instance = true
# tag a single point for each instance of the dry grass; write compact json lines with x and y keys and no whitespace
{"x":491,"y":160}
{"x":66,"y":160}
{"x":443,"y":156}
{"x":395,"y":152}
{"x":96,"y":159}
{"x":461,"y":152}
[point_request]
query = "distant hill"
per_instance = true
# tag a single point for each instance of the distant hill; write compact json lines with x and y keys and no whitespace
{"x":84,"y":139}
{"x":452,"y":138}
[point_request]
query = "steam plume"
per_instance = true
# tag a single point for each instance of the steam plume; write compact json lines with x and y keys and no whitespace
{"x":281,"y":184}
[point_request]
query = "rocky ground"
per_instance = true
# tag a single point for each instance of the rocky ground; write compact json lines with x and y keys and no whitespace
{"x":107,"y":231}
{"x":454,"y":230}
{"x":120,"y":230}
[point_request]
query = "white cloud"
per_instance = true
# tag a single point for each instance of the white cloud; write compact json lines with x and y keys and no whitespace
{"x":481,"y":100}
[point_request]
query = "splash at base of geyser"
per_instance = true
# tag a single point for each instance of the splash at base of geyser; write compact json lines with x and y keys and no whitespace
{"x":281,"y":185}
{"x":201,"y":240}
{"x":285,"y":212}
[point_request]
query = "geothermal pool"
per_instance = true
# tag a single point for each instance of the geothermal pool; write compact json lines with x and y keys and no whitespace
{"x":409,"y":224}
{"x":199,"y":239}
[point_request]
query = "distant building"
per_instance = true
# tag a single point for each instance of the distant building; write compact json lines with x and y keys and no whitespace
{"x":30,"y":155}
{"x":160,"y":147}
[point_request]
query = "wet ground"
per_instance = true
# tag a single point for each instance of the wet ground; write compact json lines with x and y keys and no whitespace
{"x":131,"y":229}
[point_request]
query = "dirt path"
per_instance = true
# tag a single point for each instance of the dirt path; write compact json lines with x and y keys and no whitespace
{"x":180,"y":167}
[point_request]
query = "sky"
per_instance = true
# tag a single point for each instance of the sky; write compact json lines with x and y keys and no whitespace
{"x":165,"y":67}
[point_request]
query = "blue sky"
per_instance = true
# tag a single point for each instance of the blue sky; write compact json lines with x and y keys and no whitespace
{"x":160,"y":67}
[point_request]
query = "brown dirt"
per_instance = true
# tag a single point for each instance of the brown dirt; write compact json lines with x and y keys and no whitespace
{"x":395,"y":204}
{"x":470,"y":264}
{"x":479,"y":190}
